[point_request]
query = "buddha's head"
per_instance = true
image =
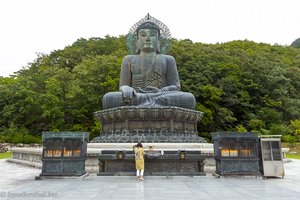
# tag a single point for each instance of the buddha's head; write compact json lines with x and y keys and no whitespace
{"x":148,"y":35}
{"x":159,"y":36}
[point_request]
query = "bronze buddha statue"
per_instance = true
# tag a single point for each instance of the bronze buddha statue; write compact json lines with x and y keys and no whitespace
{"x":149,"y":79}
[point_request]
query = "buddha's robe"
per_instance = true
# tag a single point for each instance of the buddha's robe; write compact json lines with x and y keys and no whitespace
{"x":157,"y":71}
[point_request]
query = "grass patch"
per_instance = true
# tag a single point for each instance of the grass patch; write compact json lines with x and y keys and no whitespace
{"x":293,"y":156}
{"x":294,"y":147}
{"x":5,"y":155}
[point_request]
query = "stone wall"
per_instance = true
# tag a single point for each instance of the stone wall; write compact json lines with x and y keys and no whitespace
{"x":4,"y":147}
{"x":31,"y":156}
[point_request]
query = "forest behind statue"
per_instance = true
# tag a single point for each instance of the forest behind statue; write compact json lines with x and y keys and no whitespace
{"x":239,"y":85}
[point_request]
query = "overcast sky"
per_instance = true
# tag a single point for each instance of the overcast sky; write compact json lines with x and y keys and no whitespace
{"x":28,"y":27}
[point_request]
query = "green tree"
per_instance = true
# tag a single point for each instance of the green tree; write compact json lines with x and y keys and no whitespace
{"x":296,"y":43}
{"x":240,"y":128}
{"x":295,"y":128}
{"x":256,"y":125}
{"x":279,"y":129}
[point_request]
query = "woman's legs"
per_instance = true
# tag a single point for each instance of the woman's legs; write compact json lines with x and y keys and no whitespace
{"x":140,"y":174}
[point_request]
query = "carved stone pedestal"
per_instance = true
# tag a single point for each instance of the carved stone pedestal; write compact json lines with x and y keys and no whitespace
{"x":133,"y":124}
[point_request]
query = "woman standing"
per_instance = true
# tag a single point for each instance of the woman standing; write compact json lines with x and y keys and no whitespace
{"x":139,"y":161}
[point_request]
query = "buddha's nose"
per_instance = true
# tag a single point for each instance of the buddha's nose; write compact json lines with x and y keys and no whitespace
{"x":148,"y":37}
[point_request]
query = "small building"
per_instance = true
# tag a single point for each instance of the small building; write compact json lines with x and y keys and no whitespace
{"x":64,"y":153}
{"x":271,"y":156}
{"x":236,"y":153}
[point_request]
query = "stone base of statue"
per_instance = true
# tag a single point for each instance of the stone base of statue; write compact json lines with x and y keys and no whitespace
{"x":132,"y":124}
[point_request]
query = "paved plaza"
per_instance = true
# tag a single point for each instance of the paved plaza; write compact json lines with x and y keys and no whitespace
{"x":17,"y":182}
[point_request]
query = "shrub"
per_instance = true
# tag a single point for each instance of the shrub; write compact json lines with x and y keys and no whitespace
{"x":279,"y":129}
{"x":240,"y":128}
{"x":289,"y":138}
{"x":29,"y":139}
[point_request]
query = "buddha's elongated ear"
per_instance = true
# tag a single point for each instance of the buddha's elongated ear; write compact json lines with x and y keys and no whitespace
{"x":137,"y":49}
{"x":158,"y":46}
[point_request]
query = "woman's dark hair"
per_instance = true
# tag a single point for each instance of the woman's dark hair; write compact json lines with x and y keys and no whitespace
{"x":139,"y":145}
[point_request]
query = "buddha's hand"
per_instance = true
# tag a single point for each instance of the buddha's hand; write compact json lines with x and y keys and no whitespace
{"x":127,"y":92}
{"x":149,"y":89}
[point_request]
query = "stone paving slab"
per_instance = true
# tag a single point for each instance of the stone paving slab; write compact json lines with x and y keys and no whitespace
{"x":17,"y":182}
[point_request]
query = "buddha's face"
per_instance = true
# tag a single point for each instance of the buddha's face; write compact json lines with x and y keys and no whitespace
{"x":148,"y":40}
